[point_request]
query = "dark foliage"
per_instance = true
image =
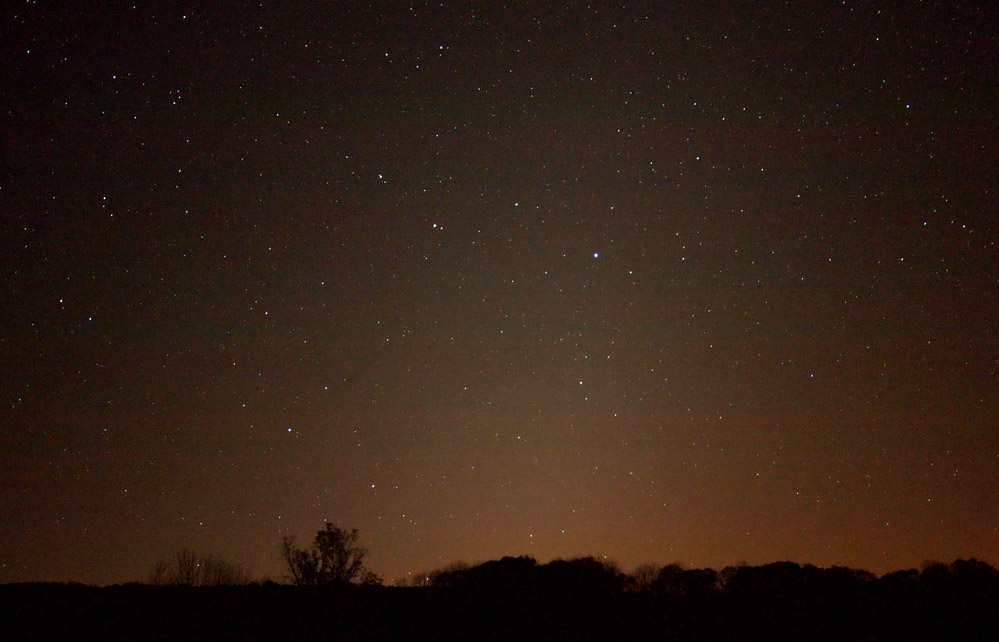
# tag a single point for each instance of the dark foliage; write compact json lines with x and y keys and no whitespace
{"x":519,"y":599}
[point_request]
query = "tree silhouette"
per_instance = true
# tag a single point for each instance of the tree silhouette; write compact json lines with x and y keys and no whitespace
{"x":336,"y":557}
{"x":188,"y":568}
{"x":668,"y":579}
{"x":644,"y":575}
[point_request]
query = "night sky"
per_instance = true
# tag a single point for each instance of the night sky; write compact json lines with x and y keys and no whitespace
{"x":705,"y":282}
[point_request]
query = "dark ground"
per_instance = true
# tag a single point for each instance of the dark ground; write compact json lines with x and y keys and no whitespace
{"x":516,"y":599}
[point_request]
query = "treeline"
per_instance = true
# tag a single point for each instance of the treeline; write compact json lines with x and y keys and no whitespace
{"x":516,"y":598}
{"x":676,"y":581}
{"x":781,"y":600}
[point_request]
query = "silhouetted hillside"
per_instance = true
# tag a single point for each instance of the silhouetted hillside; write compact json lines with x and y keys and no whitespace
{"x":519,"y":599}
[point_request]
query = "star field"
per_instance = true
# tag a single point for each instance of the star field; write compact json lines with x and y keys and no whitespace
{"x":686,"y":282}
